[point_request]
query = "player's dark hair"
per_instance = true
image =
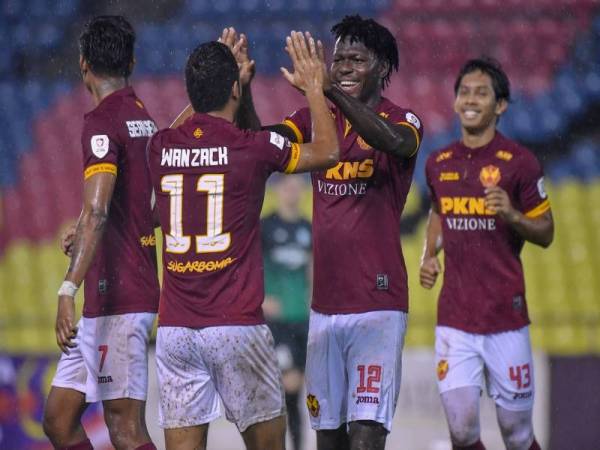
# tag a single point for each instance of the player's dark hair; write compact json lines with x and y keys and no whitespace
{"x":210,"y":73}
{"x":491,"y":67}
{"x":106,"y":44}
{"x":374,"y":36}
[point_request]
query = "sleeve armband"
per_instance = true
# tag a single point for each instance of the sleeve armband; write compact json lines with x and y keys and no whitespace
{"x":99,"y":168}
{"x":295,"y":129}
{"x":417,"y":138}
{"x":538,"y":210}
{"x":294,"y":157}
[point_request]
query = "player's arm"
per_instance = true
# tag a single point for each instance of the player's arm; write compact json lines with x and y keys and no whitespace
{"x":323,"y":150}
{"x":430,"y":263}
{"x":97,"y":194}
{"x":399,"y":140}
{"x":532,"y":227}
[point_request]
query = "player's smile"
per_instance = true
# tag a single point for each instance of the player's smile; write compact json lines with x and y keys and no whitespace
{"x":355,"y":70}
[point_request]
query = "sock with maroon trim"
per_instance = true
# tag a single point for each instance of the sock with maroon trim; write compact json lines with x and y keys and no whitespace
{"x":83,"y":445}
{"x":475,"y":446}
{"x":535,"y":445}
{"x":148,"y":446}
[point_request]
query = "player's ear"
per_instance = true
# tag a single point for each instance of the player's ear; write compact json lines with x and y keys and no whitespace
{"x":384,"y":68}
{"x":501,"y":106}
{"x":132,"y":65}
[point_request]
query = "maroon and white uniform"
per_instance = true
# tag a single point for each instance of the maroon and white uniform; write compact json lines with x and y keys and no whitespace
{"x":483,"y":293}
{"x":209,"y":178}
{"x":121,"y":286}
{"x":359,"y":272}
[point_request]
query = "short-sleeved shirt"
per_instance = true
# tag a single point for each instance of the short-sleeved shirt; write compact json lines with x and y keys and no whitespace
{"x":358,"y":261}
{"x":209,"y":178}
{"x":123,"y":275}
{"x":483,"y":290}
{"x":287,"y":247}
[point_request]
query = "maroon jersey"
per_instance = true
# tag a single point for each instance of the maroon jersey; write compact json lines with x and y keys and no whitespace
{"x":358,"y":262}
{"x":209,"y":178}
{"x":483,"y":290}
{"x":123,"y":275}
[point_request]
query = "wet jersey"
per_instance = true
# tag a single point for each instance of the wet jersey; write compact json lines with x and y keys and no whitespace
{"x":483,"y":289}
{"x":358,"y":261}
{"x":123,"y":275}
{"x":209,"y":178}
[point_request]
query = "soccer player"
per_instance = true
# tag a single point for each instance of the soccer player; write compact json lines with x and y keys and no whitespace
{"x":105,"y":354}
{"x":488,"y":198}
{"x":360,"y":294}
{"x":209,"y":177}
{"x":287,"y":247}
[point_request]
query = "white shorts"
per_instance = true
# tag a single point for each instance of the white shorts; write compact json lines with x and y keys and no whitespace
{"x":354,"y":367}
{"x":236,"y":363}
{"x":111,"y":358}
{"x":505,"y":359}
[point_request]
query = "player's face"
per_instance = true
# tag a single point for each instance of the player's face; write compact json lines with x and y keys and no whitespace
{"x":356,"y":70}
{"x":476,"y":104}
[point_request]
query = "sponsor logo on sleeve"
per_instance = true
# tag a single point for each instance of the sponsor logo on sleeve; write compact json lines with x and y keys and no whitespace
{"x":362,"y":144}
{"x":411,"y":118}
{"x":313,"y":405}
{"x":541,"y":189}
{"x":489,"y":176}
{"x":442,"y":369}
{"x":277,"y":140}
{"x":99,"y":144}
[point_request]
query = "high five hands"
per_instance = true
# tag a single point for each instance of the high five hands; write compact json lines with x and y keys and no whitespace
{"x":308,"y":60}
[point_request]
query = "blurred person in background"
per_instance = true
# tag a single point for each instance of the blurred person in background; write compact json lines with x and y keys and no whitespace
{"x":287,"y":250}
{"x":113,"y":249}
{"x":487,"y":200}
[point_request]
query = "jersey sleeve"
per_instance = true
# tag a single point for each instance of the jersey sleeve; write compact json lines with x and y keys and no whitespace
{"x":100,"y":151}
{"x":300,"y":123}
{"x":409,"y":119}
{"x":531,"y":196}
{"x":278,"y":153}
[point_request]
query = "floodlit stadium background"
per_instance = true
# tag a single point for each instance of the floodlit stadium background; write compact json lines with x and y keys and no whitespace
{"x":551,"y":51}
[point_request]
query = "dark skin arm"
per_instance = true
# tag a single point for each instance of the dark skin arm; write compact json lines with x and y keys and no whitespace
{"x":377,"y":131}
{"x":538,"y":230}
{"x":97,"y":194}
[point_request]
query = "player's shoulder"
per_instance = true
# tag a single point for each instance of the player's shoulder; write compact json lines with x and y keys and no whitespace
{"x":390,"y":110}
{"x":514,"y":152}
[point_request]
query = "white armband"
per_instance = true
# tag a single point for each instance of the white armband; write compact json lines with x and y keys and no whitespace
{"x":68,"y":288}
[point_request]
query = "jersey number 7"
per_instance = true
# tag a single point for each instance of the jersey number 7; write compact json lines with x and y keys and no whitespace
{"x":214,"y":240}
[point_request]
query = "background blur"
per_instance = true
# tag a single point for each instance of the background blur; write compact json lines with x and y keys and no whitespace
{"x":550,"y":50}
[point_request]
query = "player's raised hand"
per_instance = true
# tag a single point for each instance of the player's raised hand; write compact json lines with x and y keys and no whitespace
{"x":67,"y":239}
{"x":497,"y":201}
{"x":308,"y":69}
{"x":64,"y":327}
{"x":430,"y":269}
{"x":239,"y":48}
{"x":321,"y":54}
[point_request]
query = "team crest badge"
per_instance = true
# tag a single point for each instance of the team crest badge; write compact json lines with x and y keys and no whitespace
{"x":442,"y":369}
{"x":489,"y":176}
{"x":99,"y":144}
{"x":198,"y":133}
{"x":313,"y":405}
